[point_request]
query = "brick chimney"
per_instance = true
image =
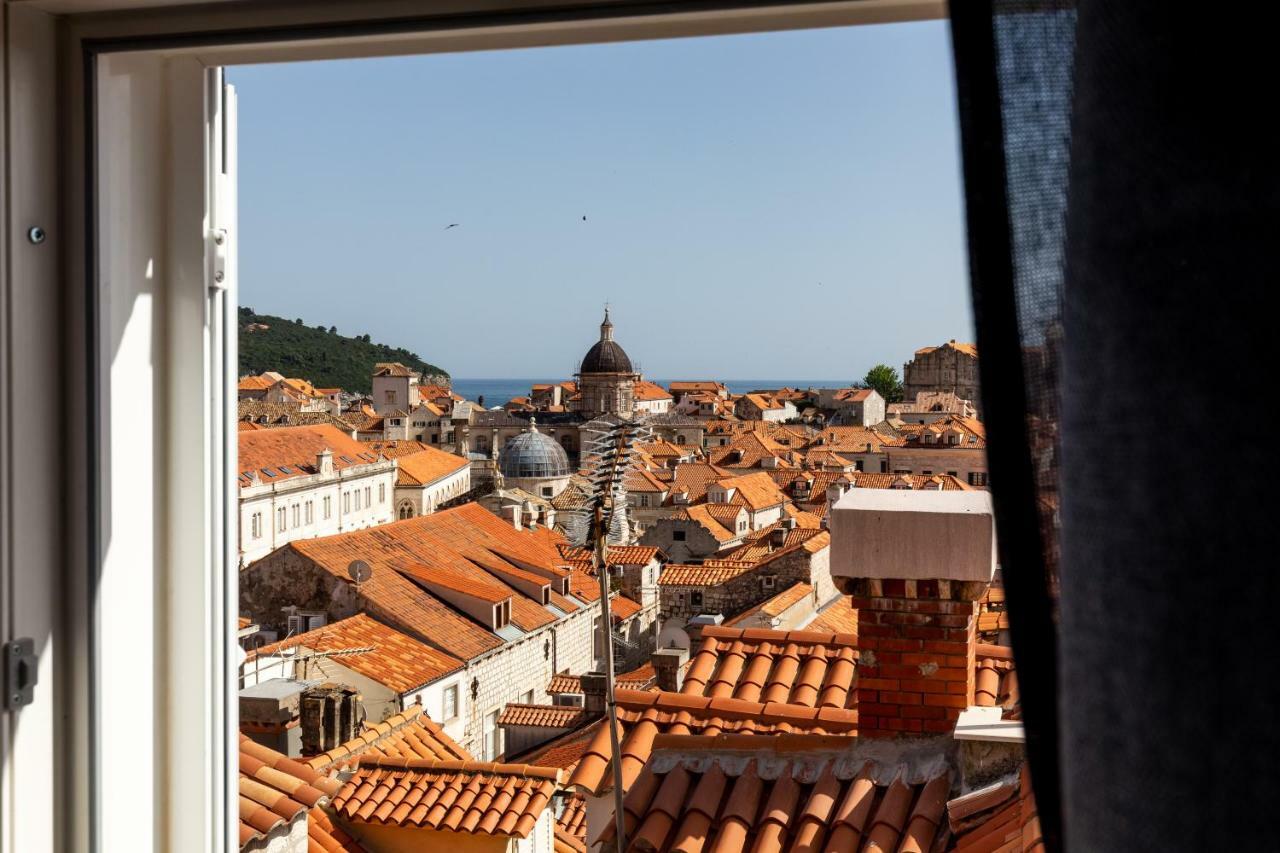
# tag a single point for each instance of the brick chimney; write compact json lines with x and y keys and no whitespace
{"x":594,"y":685}
{"x":668,"y":668}
{"x":915,"y":563}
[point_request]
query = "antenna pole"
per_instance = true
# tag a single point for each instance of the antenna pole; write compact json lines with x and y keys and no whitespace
{"x":601,"y":533}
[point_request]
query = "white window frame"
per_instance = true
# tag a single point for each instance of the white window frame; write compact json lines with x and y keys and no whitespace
{"x":114,"y":119}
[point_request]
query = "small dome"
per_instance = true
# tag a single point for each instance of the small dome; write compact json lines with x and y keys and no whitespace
{"x":605,"y":356}
{"x":532,"y":454}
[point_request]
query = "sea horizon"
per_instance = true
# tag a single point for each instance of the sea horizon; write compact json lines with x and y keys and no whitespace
{"x":497,"y":391}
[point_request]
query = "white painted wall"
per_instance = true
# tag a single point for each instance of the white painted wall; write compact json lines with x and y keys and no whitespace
{"x":341,"y":487}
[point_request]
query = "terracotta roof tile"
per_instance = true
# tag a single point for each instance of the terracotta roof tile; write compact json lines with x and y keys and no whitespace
{"x":544,"y":716}
{"x":1000,"y":818}
{"x":397,"y":660}
{"x":996,"y":680}
{"x":276,"y":455}
{"x":795,"y":793}
{"x":462,"y":796}
{"x":427,"y":466}
{"x":573,"y":819}
{"x":839,"y":617}
{"x":275,"y":789}
{"x":631,"y":555}
{"x":777,"y":605}
{"x":443,"y":541}
{"x":805,"y":668}
{"x":644,"y":715}
{"x":409,"y":734}
{"x":622,"y":608}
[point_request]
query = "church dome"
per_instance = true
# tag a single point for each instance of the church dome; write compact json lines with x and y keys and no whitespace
{"x":533,"y":455}
{"x":605,"y":356}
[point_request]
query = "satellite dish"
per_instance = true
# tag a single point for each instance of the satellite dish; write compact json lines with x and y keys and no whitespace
{"x":359,"y":571}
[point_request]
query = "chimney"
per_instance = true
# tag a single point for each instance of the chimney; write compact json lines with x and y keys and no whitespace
{"x":329,"y":717}
{"x":593,"y":690}
{"x":512,"y":513}
{"x":324,"y":462}
{"x":668,"y":665}
{"x":915,"y":563}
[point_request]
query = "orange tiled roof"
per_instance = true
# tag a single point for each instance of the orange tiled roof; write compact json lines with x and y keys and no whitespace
{"x":694,"y":477}
{"x":643,"y":714}
{"x":395,"y":448}
{"x":967,"y":349}
{"x":446,"y":540}
{"x":428,"y":466}
{"x":804,"y":794}
{"x":720,"y":571}
{"x":623,"y":608}
{"x":281,"y":454}
{"x":546,"y":716}
{"x":645,"y":391}
{"x":275,"y":789}
{"x":637,"y":679}
{"x":255,"y":383}
{"x":839,"y":617}
{"x":397,"y":661}
{"x":409,"y":734}
{"x":702,"y":514}
{"x":749,"y":450}
{"x":564,"y":751}
{"x":1000,"y":818}
{"x":572,"y":822}
{"x":777,"y":605}
{"x":756,"y":490}
{"x":471,"y":797}
{"x":996,"y":680}
{"x":805,"y":668}
{"x":631,"y":555}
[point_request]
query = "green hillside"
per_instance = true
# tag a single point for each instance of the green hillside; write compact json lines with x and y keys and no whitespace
{"x":318,"y":353}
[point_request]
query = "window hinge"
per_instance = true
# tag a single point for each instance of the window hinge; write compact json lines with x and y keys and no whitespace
{"x":21,"y":667}
{"x":218,"y":237}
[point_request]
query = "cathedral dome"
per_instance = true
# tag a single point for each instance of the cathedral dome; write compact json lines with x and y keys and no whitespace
{"x":533,"y":455}
{"x":605,"y":356}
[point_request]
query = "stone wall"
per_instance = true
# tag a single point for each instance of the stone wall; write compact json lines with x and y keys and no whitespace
{"x":941,"y":369}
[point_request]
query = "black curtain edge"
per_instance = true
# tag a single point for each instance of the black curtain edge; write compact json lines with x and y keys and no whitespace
{"x":1003,"y":377}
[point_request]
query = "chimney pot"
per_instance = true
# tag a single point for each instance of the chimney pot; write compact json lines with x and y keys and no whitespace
{"x":668,"y":666}
{"x":594,"y":686}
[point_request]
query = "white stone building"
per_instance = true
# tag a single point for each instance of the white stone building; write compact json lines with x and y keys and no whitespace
{"x":308,"y":481}
{"x":463,"y":581}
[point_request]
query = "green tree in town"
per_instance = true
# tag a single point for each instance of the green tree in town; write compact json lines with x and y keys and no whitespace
{"x":884,"y":379}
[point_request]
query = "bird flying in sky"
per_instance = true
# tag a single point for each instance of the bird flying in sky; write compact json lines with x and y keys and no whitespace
{"x":451,"y":225}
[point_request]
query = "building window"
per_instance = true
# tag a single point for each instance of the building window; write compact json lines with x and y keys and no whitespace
{"x":368,"y":496}
{"x":346,"y":502}
{"x":282,"y":519}
{"x":491,"y":736}
{"x":695,"y":599}
{"x":311,"y":512}
{"x":406,"y":510}
{"x":255,"y":525}
{"x":526,"y":698}
{"x":451,"y":702}
{"x":677,"y":536}
{"x":328,"y":506}
{"x":546,"y":491}
{"x":389,"y":395}
{"x":297,"y":515}
{"x":382,"y":493}
{"x":977,"y":478}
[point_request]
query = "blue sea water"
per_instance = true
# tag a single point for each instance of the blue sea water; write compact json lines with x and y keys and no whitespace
{"x":497,"y":392}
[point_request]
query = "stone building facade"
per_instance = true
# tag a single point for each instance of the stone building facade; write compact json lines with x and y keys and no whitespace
{"x":720,"y":588}
{"x":951,"y":367}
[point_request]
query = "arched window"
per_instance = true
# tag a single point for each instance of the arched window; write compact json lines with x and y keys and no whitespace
{"x":406,"y":509}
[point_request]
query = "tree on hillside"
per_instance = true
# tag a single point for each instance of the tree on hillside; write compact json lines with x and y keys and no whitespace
{"x":884,"y":379}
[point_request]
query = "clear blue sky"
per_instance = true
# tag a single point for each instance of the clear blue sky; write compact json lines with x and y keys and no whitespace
{"x":776,"y":206}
